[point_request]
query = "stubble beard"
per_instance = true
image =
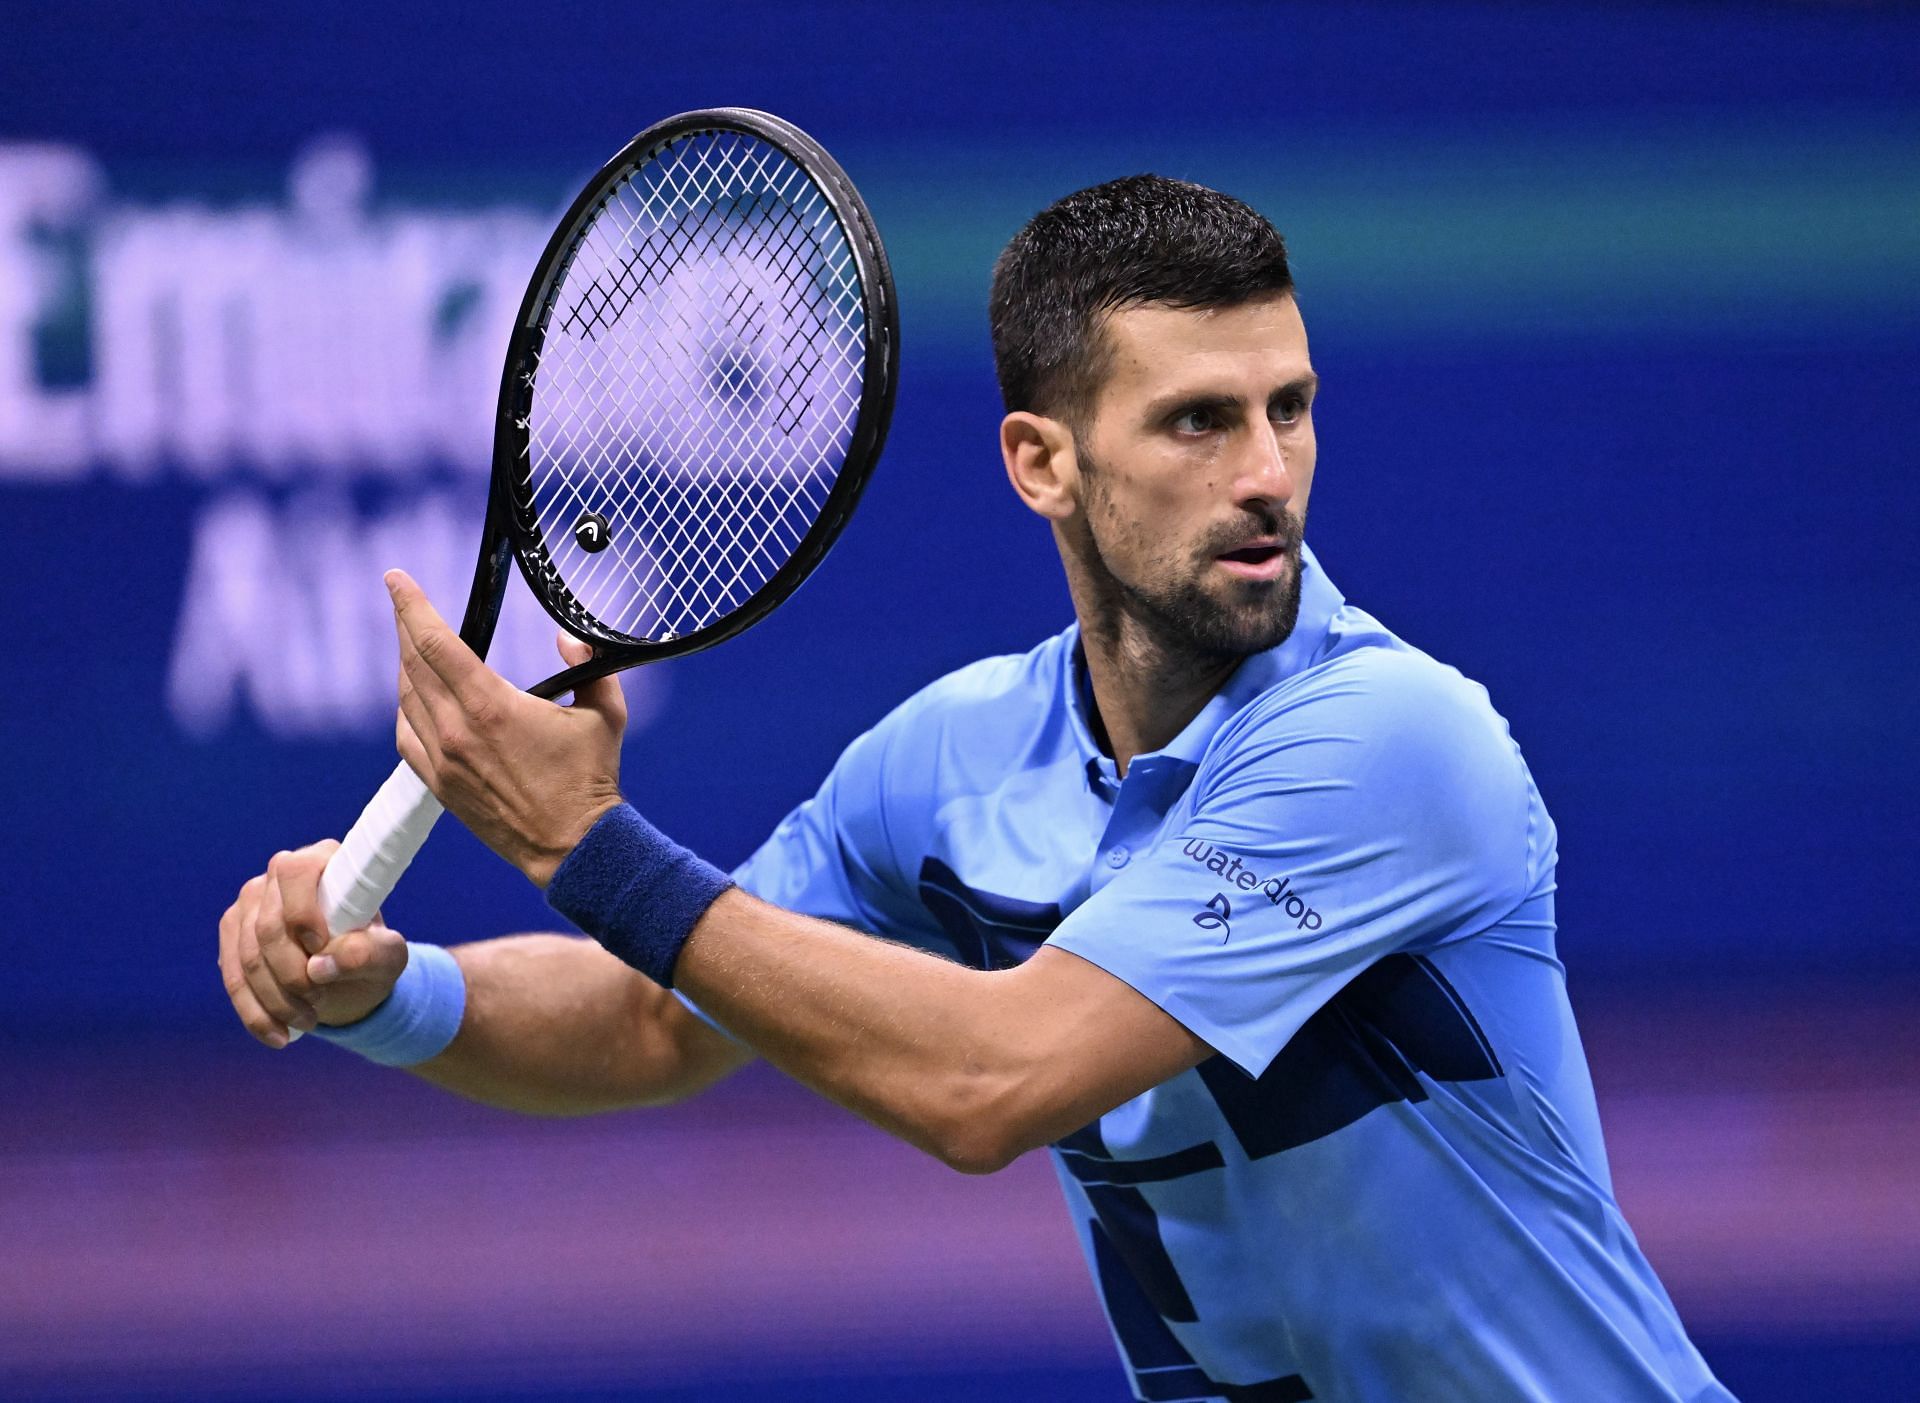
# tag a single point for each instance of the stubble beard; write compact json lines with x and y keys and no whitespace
{"x":1181,"y":616}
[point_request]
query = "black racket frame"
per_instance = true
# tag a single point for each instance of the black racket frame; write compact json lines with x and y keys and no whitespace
{"x":511,"y":533}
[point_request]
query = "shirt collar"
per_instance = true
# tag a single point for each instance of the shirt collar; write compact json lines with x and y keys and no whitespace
{"x":1320,"y":600}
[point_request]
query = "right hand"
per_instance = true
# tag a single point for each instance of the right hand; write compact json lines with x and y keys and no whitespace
{"x":284,"y":971}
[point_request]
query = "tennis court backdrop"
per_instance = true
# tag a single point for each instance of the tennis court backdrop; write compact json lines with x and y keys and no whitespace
{"x":1616,"y":310}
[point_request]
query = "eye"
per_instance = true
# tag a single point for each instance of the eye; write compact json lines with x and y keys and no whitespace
{"x":1288,"y":408}
{"x":1201,"y":419}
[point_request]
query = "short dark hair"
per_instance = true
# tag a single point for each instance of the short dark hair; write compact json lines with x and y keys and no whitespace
{"x":1140,"y":239}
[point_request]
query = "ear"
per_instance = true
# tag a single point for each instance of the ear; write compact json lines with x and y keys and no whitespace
{"x":1041,"y":463}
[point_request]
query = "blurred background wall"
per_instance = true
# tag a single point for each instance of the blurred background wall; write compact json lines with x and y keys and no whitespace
{"x":1616,"y":308}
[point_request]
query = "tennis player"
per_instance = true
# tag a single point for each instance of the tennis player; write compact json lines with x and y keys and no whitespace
{"x":1236,"y":901}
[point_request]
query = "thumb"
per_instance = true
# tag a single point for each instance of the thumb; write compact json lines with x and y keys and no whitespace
{"x":373,"y":955}
{"x":603,"y":694}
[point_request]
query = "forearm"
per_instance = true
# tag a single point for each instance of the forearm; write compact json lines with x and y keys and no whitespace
{"x":973,"y":1067}
{"x":950,"y":1059}
{"x":556,"y":1026}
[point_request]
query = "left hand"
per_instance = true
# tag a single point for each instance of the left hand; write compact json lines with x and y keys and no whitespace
{"x":529,"y":777}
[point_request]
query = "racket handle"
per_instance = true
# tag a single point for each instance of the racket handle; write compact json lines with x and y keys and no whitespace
{"x":377,"y":850}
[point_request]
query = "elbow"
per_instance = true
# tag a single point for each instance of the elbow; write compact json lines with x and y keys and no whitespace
{"x":980,"y":1127}
{"x":974,"y":1153}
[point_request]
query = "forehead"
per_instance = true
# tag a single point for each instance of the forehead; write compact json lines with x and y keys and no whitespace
{"x":1152,"y":347}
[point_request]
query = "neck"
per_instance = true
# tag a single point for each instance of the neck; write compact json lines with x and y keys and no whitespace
{"x":1146,"y":685}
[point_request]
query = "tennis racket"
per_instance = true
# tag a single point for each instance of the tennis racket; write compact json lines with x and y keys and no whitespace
{"x":696,"y":392}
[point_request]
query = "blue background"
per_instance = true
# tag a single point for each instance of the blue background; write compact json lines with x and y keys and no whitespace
{"x":1616,"y":310}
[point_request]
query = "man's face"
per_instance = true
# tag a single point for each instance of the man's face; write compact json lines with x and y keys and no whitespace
{"x":1195,"y":463}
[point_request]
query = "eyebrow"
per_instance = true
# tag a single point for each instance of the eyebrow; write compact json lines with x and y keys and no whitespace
{"x":1183,"y":400}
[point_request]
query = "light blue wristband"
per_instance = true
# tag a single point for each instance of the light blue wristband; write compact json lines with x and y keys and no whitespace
{"x":418,"y":1019}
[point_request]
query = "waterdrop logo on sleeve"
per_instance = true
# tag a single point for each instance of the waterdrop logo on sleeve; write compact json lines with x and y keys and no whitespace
{"x":1279,"y":890}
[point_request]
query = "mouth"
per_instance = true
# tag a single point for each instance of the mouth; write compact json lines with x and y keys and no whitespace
{"x":1264,"y":559}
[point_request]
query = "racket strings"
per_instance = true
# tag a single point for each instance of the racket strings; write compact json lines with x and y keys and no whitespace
{"x":698,"y":385}
{"x":718,"y":525}
{"x":607,"y":298}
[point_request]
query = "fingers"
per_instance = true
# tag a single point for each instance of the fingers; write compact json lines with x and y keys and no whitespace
{"x":414,"y":752}
{"x":602,"y":695}
{"x":417,"y":729}
{"x":284,"y":972}
{"x":285,"y":962}
{"x":410,"y":724}
{"x":440,"y":651}
{"x":298,"y":876}
{"x":424,"y":696}
{"x":253,"y":1017}
{"x":448,"y":696}
{"x":284,"y":1010}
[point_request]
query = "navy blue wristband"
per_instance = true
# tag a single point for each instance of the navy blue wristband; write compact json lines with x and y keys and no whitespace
{"x":636,"y":891}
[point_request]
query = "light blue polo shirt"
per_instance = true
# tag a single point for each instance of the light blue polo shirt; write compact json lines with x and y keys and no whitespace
{"x":1389,"y":1185}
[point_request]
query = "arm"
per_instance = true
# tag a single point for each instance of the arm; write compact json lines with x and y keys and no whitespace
{"x":553,"y":1025}
{"x":974,"y":1067}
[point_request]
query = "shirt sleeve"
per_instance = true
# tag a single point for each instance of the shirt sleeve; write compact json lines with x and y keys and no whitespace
{"x":1378,"y":806}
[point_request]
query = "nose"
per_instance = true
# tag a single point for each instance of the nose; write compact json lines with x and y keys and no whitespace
{"x":1263,"y":477}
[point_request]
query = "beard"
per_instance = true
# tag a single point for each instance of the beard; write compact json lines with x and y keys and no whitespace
{"x":1181,"y":600}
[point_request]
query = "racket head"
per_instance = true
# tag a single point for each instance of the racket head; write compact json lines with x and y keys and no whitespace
{"x":705,"y":361}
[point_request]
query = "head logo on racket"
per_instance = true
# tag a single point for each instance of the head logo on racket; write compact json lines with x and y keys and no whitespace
{"x":590,"y":531}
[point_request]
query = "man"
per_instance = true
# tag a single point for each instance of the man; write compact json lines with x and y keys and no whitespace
{"x":1239,"y":902}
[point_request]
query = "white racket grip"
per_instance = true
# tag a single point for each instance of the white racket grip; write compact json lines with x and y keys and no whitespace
{"x":376,"y":850}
